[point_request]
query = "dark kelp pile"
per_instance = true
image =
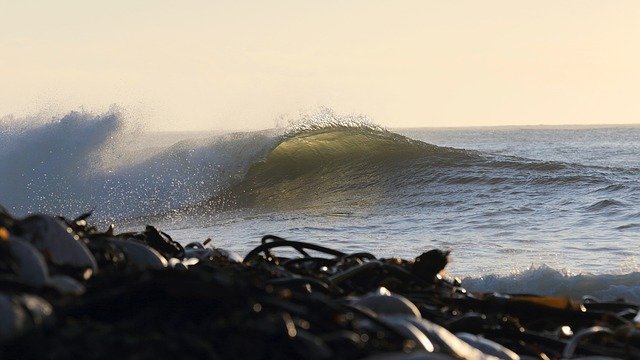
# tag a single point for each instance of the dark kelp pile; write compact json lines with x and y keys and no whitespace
{"x":68,"y":290}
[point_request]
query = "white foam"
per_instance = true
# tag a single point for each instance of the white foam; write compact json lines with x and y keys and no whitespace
{"x":44,"y":161}
{"x":544,"y":280}
{"x":83,"y":161}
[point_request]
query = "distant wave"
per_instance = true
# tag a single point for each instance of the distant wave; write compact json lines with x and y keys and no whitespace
{"x":603,"y":204}
{"x":544,"y":280}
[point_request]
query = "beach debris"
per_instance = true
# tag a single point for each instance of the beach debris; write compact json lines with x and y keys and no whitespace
{"x":487,"y":346}
{"x":157,"y":240}
{"x":150,"y":297}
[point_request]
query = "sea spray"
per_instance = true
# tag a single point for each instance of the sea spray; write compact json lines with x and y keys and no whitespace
{"x":47,"y":165}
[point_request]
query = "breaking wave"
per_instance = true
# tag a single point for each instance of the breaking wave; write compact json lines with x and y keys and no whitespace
{"x":340,"y":174}
{"x":338,"y":164}
{"x":84,"y":161}
{"x":544,"y":280}
{"x":45,"y":163}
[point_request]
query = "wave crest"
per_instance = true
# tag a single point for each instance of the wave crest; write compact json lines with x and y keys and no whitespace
{"x":346,"y":163}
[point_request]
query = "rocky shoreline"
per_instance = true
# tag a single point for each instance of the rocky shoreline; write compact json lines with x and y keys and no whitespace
{"x":69,"y":290}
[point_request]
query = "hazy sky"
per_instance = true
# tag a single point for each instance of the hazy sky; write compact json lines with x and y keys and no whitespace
{"x":239,"y":64}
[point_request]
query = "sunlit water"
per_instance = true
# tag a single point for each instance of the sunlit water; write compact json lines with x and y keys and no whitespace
{"x":575,"y":208}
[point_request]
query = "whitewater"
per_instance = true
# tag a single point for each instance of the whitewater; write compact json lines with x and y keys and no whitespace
{"x":523,"y":209}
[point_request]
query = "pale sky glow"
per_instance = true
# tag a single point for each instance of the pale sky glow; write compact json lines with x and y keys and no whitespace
{"x":239,"y":64}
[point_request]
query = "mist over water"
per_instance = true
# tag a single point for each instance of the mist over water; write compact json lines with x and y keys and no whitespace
{"x":519,"y":206}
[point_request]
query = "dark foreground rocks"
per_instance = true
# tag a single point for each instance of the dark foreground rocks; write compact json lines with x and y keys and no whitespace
{"x":70,"y":291}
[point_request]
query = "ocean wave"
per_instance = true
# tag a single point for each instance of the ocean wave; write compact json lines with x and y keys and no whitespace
{"x":525,"y":164}
{"x":604,"y":204}
{"x":84,"y":161}
{"x":628,"y":226}
{"x":611,"y":188}
{"x":339,"y":163}
{"x":544,"y":280}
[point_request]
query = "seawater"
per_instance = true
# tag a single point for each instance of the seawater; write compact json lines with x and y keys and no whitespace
{"x":523,"y":209}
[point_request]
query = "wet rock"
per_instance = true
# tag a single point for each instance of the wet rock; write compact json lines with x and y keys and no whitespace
{"x":20,"y":313}
{"x":55,"y":241}
{"x":141,"y":256}
{"x":385,"y":303}
{"x":430,"y":263}
{"x":157,"y":240}
{"x":28,"y":265}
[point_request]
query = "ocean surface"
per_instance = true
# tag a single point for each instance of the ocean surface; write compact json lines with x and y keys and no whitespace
{"x":542,"y":210}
